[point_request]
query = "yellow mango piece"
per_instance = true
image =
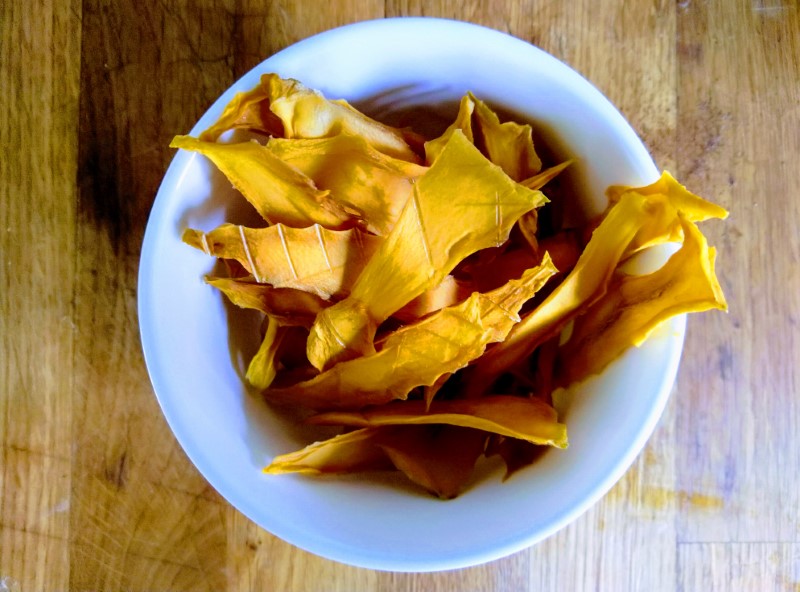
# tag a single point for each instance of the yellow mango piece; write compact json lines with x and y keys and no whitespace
{"x":516,"y":417}
{"x":280,"y":193}
{"x":283,"y":107}
{"x":247,"y":110}
{"x":419,"y":354}
{"x":461,"y":205}
{"x":462,"y":122}
{"x":635,"y":305}
{"x":346,"y":453}
{"x":508,"y":145}
{"x":314,"y":259}
{"x":373,"y":185}
{"x":439,"y":458}
{"x":306,"y":113}
{"x":288,"y":306}
{"x":262,"y":369}
{"x":666,"y":199}
{"x":541,"y":179}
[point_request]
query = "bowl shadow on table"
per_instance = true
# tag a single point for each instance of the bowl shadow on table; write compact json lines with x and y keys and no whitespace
{"x":225,"y":204}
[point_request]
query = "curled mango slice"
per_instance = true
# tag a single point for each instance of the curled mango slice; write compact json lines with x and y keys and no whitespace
{"x":635,"y":305}
{"x":666,"y":199}
{"x":262,"y":368}
{"x":418,"y":354}
{"x":280,"y":193}
{"x":438,"y":458}
{"x":305,"y":113}
{"x":424,"y":246}
{"x":314,"y":259}
{"x":247,"y":110}
{"x":350,"y":452}
{"x":524,"y":418}
{"x":373,"y":185}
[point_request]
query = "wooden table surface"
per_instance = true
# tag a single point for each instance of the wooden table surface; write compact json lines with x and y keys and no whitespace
{"x":96,"y":493}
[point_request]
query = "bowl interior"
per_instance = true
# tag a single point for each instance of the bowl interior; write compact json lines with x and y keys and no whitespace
{"x":196,"y":346}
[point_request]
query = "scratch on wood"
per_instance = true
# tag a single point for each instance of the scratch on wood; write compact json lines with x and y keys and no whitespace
{"x":117,"y":474}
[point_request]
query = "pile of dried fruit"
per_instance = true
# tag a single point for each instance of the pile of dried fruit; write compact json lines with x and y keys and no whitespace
{"x":418,"y":294}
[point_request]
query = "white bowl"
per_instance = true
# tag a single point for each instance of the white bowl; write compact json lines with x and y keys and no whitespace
{"x":195,"y":355}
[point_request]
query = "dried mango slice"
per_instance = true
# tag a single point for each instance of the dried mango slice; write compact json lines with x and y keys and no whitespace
{"x":366,"y":181}
{"x":262,"y":369}
{"x":541,"y":179}
{"x":666,"y":198}
{"x":462,"y":122}
{"x":306,"y":113}
{"x":635,"y":305}
{"x":288,"y":306}
{"x":508,"y":145}
{"x":516,"y":417}
{"x":247,"y":110}
{"x":587,"y":282}
{"x":418,"y":354}
{"x":314,"y":259}
{"x":439,"y":458}
{"x":280,"y":193}
{"x":424,"y":246}
{"x":350,"y":452}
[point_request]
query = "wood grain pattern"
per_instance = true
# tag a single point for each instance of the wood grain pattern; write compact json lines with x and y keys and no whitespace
{"x":96,"y":494}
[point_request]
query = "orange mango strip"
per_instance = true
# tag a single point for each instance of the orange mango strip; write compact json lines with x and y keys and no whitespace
{"x":423,"y":247}
{"x":419,"y":354}
{"x":288,"y":306}
{"x":278,"y":192}
{"x":587,"y":282}
{"x":362,"y":179}
{"x":635,"y":305}
{"x":350,"y":452}
{"x":314,"y":259}
{"x":262,"y":368}
{"x":524,"y":418}
{"x":438,"y":458}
